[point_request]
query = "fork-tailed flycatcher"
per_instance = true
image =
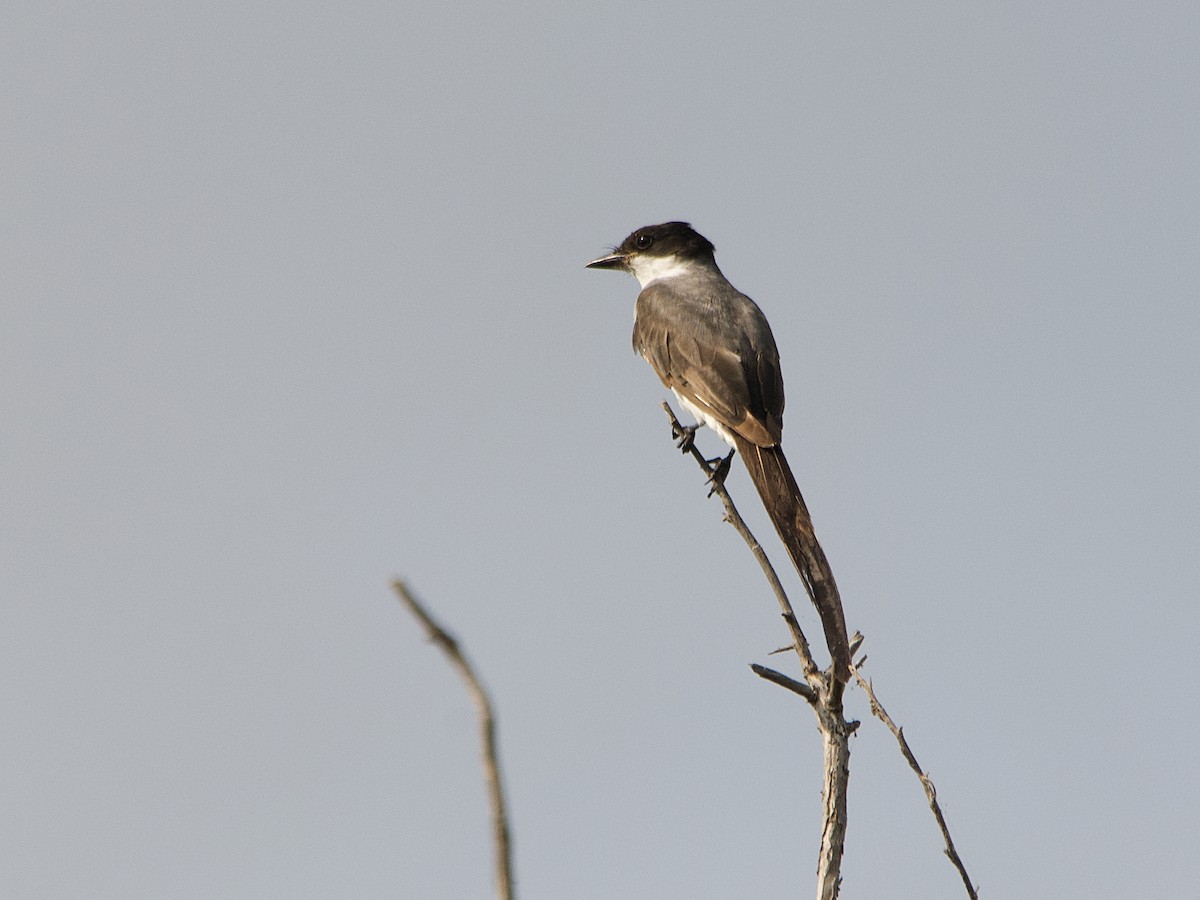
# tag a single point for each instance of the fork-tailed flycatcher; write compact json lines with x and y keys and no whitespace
{"x":712,"y":346}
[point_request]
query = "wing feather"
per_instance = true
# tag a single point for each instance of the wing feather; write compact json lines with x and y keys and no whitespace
{"x":711,"y":355}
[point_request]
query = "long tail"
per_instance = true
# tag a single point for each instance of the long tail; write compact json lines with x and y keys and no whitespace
{"x":780,"y":494}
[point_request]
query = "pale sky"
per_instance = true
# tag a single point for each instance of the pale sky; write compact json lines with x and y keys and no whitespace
{"x":294,"y":303}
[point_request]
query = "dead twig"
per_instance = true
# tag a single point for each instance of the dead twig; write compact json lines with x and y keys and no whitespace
{"x":505,"y":888}
{"x":822,"y":690}
{"x":930,"y":791}
{"x":799,"y":642}
{"x":796,"y":687}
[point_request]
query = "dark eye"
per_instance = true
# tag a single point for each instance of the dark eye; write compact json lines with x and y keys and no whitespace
{"x":643,"y":241}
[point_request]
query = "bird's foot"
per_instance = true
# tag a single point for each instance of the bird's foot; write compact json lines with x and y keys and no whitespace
{"x":685,"y":436}
{"x":718,"y":471}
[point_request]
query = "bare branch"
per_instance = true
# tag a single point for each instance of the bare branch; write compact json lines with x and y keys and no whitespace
{"x":823,"y":691}
{"x":930,"y":791}
{"x":796,"y":687}
{"x":505,"y":887}
{"x":734,"y":518}
{"x":825,"y":688}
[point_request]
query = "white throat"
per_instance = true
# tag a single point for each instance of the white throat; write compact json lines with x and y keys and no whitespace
{"x":648,"y":269}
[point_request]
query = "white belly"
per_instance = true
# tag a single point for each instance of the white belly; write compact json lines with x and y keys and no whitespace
{"x":705,"y":418}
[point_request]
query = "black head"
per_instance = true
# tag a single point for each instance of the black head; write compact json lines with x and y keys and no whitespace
{"x":676,"y":239}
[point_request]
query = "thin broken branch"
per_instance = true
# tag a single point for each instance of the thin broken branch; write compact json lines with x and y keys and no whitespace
{"x":822,"y":690}
{"x":505,"y":886}
{"x":930,"y":791}
{"x":784,"y":681}
{"x":799,"y":642}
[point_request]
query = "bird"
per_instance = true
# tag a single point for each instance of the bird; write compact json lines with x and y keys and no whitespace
{"x":713,"y":347}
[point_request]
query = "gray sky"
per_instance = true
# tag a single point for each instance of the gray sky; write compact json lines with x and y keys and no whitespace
{"x":294,"y":302}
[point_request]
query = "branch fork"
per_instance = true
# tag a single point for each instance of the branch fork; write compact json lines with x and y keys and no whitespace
{"x":823,"y":691}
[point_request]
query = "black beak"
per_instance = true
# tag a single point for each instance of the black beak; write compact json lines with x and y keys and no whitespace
{"x":612,"y":261}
